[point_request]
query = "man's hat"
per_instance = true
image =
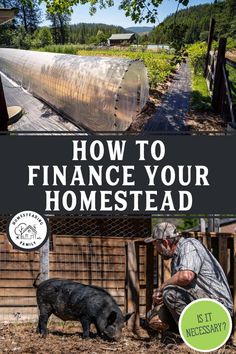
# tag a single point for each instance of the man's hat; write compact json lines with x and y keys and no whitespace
{"x":163,"y":231}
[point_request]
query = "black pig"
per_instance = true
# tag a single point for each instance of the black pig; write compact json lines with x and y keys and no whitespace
{"x":70,"y":300}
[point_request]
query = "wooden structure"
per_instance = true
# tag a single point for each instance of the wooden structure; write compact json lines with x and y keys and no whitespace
{"x":104,"y":252}
{"x":222,"y":225}
{"x":209,"y":44}
{"x":122,"y":39}
{"x":217,"y":78}
{"x":7,"y":15}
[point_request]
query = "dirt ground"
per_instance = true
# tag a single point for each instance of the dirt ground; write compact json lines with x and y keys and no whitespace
{"x":151,"y":106}
{"x":66,"y":339}
{"x":231,"y":54}
{"x":208,"y":122}
{"x":195,"y":121}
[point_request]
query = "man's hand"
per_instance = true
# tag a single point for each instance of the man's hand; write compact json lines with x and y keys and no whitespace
{"x":181,"y":278}
{"x":157,"y":297}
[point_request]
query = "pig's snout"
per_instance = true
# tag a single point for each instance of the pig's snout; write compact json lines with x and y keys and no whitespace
{"x":113,"y":337}
{"x":117,"y":337}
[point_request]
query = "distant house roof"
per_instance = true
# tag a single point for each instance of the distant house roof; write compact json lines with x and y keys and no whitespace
{"x":7,"y":15}
{"x":222,"y":222}
{"x":122,"y":36}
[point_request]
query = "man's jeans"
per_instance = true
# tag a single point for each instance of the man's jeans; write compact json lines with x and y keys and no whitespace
{"x":175,"y":299}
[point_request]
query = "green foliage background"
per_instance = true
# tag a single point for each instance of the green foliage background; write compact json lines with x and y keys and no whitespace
{"x":196,"y":20}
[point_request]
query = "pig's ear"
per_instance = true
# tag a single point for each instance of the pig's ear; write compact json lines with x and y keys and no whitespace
{"x":111,"y":318}
{"x":127,"y":316}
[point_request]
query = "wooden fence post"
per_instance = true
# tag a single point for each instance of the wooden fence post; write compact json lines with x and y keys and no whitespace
{"x":202,"y":225}
{"x":210,"y":39}
{"x":211,"y":224}
{"x":149,"y":275}
{"x":218,"y":79}
{"x":3,"y":109}
{"x":223,"y":254}
{"x":133,"y":285}
{"x":167,"y":269}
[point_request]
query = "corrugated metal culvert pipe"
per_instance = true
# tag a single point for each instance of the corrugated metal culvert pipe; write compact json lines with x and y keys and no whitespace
{"x":98,"y":93}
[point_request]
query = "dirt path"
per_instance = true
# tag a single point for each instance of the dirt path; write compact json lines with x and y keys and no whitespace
{"x":170,"y":115}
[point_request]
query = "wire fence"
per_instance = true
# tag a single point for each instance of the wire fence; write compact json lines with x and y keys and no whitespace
{"x":91,"y":251}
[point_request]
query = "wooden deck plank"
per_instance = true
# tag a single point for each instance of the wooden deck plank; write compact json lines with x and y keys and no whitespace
{"x":37,"y":115}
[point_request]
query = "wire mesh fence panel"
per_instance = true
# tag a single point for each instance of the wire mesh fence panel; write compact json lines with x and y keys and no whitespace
{"x":89,"y":250}
{"x":17,"y":272}
{"x":3,"y":223}
{"x":117,"y":227}
{"x":90,"y":261}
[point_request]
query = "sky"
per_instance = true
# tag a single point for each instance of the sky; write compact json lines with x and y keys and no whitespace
{"x":114,"y":16}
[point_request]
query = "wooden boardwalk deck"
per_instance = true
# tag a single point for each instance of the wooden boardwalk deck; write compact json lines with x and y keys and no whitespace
{"x":37,"y":115}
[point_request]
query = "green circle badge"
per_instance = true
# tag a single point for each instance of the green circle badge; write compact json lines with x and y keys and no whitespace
{"x":205,"y":325}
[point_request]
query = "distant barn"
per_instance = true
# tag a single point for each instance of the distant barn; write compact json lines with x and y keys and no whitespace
{"x":122,"y":39}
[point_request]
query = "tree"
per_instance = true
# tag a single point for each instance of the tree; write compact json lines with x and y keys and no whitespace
{"x":101,"y":37}
{"x":144,"y":10}
{"x":45,"y":36}
{"x":138,"y":10}
{"x":42,"y":37}
{"x":29,"y":14}
{"x":87,"y":32}
{"x":21,"y":39}
{"x":175,"y":36}
{"x":196,"y":19}
{"x":187,"y":223}
{"x":60,"y":27}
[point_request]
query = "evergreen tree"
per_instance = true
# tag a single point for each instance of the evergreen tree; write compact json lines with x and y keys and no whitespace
{"x":60,"y":27}
{"x":42,"y":37}
{"x":85,"y":33}
{"x":196,"y":20}
{"x":29,"y":14}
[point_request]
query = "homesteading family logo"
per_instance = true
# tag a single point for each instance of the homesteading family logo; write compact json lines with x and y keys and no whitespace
{"x":27,"y":230}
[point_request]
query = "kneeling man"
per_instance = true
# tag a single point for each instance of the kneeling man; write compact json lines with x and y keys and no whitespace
{"x":195,"y":274}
